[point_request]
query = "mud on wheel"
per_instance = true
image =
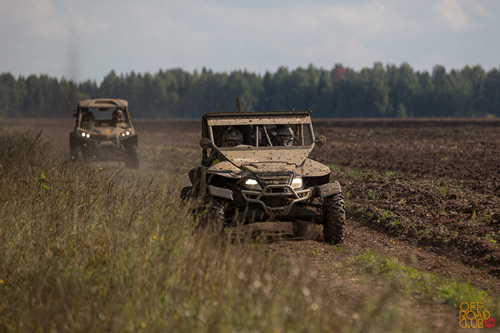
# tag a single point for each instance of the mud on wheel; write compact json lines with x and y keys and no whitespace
{"x":186,"y":192}
{"x":77,"y":153}
{"x":334,"y":218}
{"x":213,"y":220}
{"x":132,"y":160}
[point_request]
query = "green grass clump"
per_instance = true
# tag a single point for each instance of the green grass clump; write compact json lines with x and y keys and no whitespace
{"x":426,"y":286}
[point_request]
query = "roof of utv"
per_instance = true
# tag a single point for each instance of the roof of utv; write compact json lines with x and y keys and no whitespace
{"x":244,"y":115}
{"x":252,"y":118}
{"x":103,"y":103}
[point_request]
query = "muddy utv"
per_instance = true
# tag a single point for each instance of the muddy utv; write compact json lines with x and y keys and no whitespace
{"x":104,"y":132}
{"x":248,"y":174}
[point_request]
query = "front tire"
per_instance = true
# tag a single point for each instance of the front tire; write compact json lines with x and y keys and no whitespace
{"x":186,"y":192}
{"x":213,"y":221}
{"x":132,"y":157}
{"x":76,"y":153}
{"x":334,"y":219}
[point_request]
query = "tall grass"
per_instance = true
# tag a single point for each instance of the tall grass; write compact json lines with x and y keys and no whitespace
{"x":81,"y":250}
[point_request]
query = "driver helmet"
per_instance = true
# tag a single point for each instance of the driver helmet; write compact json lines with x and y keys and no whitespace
{"x":88,"y":116}
{"x":118,"y":116}
{"x":232,"y":137}
{"x":284,"y":135}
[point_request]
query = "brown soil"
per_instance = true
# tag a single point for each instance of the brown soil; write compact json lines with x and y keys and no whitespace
{"x":432,"y":185}
{"x":426,"y":192}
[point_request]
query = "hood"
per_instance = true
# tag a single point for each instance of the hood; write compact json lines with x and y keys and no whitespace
{"x":246,"y":155}
{"x":309,"y":168}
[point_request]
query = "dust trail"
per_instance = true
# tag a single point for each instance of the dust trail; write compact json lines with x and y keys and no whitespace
{"x":72,"y":56}
{"x":73,"y":46}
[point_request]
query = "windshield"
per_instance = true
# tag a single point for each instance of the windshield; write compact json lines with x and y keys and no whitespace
{"x":103,"y":117}
{"x":103,"y":114}
{"x":279,"y":135}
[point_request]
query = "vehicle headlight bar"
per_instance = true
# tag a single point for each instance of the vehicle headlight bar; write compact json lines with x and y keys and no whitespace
{"x":252,"y":184}
{"x":297,"y":182}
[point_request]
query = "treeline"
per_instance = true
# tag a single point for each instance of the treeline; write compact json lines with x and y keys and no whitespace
{"x":378,"y":92}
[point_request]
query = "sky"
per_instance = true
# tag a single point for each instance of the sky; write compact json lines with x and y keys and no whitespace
{"x":82,"y":40}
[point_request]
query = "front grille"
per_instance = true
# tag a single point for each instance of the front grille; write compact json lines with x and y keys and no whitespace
{"x":275,"y":179}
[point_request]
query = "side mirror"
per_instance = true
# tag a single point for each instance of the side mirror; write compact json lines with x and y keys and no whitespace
{"x":205,"y":143}
{"x":321,"y":140}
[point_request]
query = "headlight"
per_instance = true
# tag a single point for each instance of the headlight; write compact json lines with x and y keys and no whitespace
{"x":297,"y":182}
{"x":252,"y":184}
{"x":85,"y":135}
{"x":126,"y":133}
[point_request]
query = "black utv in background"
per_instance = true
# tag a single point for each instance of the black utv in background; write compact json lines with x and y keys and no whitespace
{"x":104,"y":132}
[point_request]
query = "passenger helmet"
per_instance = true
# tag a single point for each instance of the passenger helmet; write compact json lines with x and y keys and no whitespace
{"x":232,"y":137}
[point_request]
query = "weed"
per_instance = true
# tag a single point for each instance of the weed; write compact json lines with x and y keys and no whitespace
{"x":335,"y":168}
{"x":424,"y":234}
{"x":389,"y":174}
{"x":371,"y":194}
{"x":353,"y":174}
{"x":486,"y":216}
{"x":493,"y":238}
{"x":42,"y":181}
{"x":426,"y":285}
{"x":394,"y":223}
{"x":336,"y":248}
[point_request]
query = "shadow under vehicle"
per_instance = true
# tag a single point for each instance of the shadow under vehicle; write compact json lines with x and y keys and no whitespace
{"x":259,"y":180}
{"x":104,"y":132}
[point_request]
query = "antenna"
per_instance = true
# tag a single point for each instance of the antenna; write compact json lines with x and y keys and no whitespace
{"x":238,"y":105}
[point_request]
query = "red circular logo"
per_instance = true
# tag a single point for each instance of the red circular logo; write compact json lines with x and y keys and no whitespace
{"x":489,"y":323}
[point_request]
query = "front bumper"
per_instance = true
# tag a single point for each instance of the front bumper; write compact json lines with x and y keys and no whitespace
{"x":276,"y":200}
{"x":103,"y":148}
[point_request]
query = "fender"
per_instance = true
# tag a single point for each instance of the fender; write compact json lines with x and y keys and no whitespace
{"x":328,"y":189}
{"x":220,"y":192}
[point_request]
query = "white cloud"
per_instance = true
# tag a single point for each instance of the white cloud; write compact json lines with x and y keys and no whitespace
{"x":226,"y":35}
{"x":480,"y":9}
{"x":33,"y":17}
{"x":451,"y":15}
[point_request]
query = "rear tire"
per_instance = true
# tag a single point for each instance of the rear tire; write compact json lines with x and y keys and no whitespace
{"x":334,"y":218}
